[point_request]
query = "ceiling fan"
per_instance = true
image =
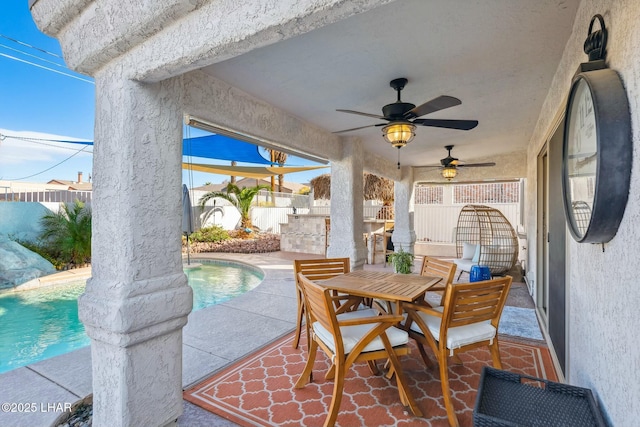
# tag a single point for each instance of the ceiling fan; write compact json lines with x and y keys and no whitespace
{"x":402,"y":117}
{"x":450,"y":164}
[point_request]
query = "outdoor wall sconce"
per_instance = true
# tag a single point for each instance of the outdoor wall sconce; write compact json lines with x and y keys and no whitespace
{"x":597,"y":146}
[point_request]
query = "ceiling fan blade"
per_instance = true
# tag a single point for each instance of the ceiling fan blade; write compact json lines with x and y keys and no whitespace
{"x":449,"y":124}
{"x":358,"y":128}
{"x":436,"y":104}
{"x":477,"y":165}
{"x":375,"y":116}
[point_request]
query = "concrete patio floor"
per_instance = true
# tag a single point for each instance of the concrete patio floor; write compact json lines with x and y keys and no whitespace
{"x":258,"y":317}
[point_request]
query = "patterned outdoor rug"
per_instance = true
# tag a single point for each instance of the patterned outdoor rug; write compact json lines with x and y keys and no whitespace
{"x":258,"y":390}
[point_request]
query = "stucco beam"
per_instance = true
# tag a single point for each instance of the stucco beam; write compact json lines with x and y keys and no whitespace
{"x":226,"y":28}
{"x":92,"y":33}
{"x":168,"y":38}
{"x":228,"y":107}
{"x":53,"y":15}
{"x":380,"y":166}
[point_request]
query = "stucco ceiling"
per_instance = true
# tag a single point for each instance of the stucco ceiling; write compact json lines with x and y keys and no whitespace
{"x":497,"y":56}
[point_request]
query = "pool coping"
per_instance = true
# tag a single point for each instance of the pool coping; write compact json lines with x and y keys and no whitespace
{"x":259,"y":316}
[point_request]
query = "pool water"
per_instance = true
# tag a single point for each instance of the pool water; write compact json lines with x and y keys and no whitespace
{"x":217,"y":282}
{"x":41,"y":323}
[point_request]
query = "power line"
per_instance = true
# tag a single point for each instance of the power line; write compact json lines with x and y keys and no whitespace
{"x":31,"y":46}
{"x":34,"y":56}
{"x":46,"y":68}
{"x":39,"y":58}
{"x":37,"y":141}
{"x":48,"y":169}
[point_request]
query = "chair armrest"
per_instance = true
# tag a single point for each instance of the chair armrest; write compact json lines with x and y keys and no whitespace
{"x":387,"y":318}
{"x":408,"y":306}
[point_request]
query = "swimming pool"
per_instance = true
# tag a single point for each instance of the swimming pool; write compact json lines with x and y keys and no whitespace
{"x":41,"y":323}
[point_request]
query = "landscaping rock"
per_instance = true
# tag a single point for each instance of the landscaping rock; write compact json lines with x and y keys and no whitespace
{"x":19,"y":265}
{"x":259,"y":244}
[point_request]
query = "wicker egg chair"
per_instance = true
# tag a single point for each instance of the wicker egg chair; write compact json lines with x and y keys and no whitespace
{"x":496,"y":239}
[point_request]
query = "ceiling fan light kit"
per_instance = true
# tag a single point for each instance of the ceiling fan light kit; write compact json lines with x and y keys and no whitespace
{"x":449,"y":172}
{"x":399,"y":134}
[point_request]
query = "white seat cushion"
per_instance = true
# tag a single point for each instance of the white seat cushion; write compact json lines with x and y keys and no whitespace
{"x":460,"y":335}
{"x":352,"y":334}
{"x":476,"y":254}
{"x":468,"y":250}
{"x":464,"y":264}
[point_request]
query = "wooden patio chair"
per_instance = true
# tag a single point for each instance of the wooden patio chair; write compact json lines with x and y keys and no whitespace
{"x":319,"y":269}
{"x":351,"y":340}
{"x":468,"y":319}
{"x":438,"y":268}
{"x":383,"y":236}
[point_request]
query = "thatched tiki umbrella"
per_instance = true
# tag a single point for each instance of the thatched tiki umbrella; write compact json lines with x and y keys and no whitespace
{"x":321,"y":185}
{"x":375,"y":188}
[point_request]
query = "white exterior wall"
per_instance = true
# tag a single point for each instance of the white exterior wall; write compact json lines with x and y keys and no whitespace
{"x":602,"y":287}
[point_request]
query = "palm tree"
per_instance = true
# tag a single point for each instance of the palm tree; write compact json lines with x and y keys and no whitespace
{"x":233,"y":178}
{"x":69,"y":232}
{"x":241,"y":198}
{"x":280,"y":158}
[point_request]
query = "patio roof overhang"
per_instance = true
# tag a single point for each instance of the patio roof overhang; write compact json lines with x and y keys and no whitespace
{"x":320,"y":55}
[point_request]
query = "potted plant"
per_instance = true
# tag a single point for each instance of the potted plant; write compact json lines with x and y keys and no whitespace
{"x":402,"y":261}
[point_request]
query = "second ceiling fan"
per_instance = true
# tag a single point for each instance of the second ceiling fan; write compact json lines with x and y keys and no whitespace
{"x":450,"y":164}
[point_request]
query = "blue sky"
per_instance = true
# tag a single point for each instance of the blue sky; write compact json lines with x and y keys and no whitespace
{"x":40,"y":103}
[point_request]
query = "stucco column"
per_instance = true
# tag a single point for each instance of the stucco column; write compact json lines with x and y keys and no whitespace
{"x":347,"y":189}
{"x":138,"y":299}
{"x":404,"y":235}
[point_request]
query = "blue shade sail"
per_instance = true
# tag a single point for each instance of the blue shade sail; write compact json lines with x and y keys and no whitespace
{"x":218,"y":147}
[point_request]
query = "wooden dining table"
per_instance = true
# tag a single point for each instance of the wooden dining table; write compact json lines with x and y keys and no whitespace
{"x":392,"y":287}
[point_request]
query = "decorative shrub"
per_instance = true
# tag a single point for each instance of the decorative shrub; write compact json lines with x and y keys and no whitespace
{"x":67,"y":233}
{"x":211,"y":234}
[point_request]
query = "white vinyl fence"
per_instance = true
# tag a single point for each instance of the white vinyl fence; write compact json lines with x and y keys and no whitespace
{"x":437,"y":224}
{"x":269,"y":219}
{"x":44,"y":196}
{"x":369,"y":211}
{"x":436,"y":208}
